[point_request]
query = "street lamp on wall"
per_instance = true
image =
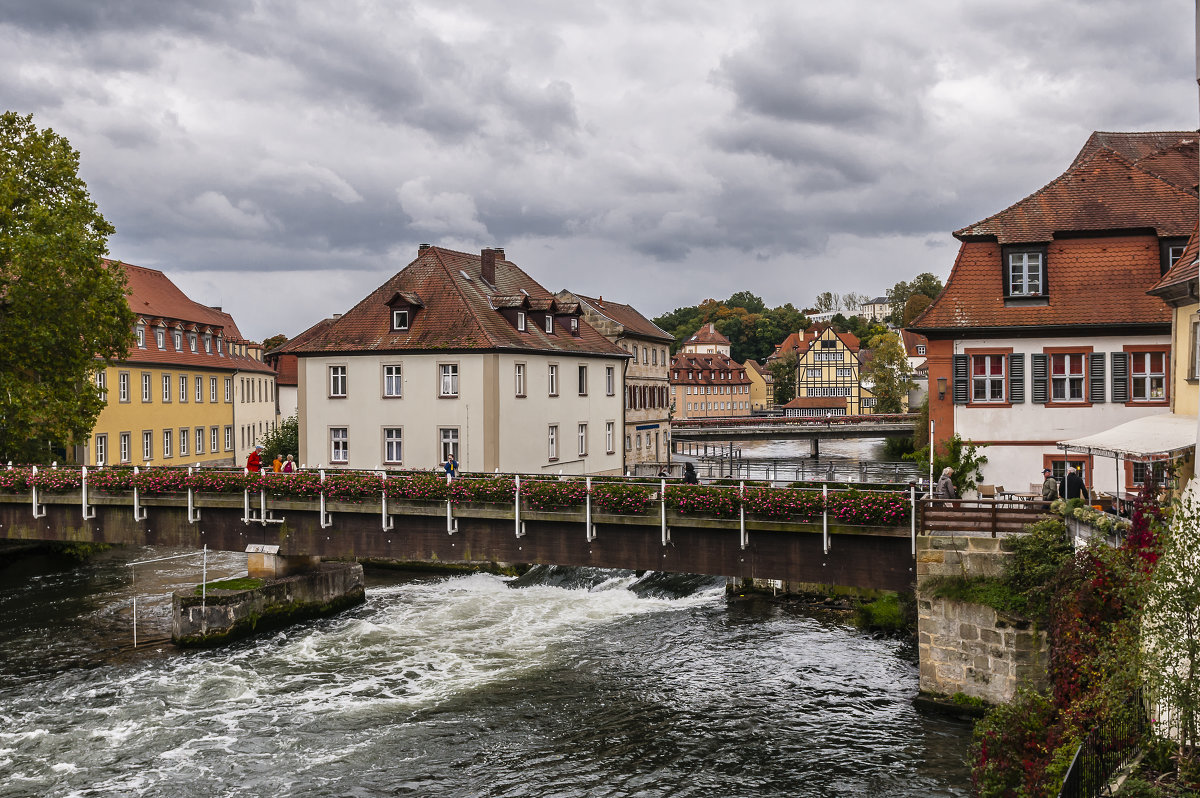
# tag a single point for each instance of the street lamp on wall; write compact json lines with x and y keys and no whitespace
{"x":941,"y":383}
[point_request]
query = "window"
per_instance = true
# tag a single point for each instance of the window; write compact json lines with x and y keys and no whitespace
{"x":608,"y":436}
{"x":184,"y":437}
{"x":399,"y":320}
{"x":828,"y":343}
{"x":1067,"y":377}
{"x":1170,"y":250}
{"x":583,"y":380}
{"x":166,"y":387}
{"x":339,"y":445}
{"x":178,"y":341}
{"x":521,"y":320}
{"x":574,"y":326}
{"x":159,"y":338}
{"x":124,"y":447}
{"x":141,"y":335}
{"x":610,"y":380}
{"x":987,"y":378}
{"x":192,"y":341}
{"x":549,"y":325}
{"x":147,"y":445}
{"x":199,"y":440}
{"x":635,"y":359}
{"x":813,"y":373}
{"x":582,"y":439}
{"x":639,"y":440}
{"x":123,"y":386}
{"x":101,"y":449}
{"x":645,"y":357}
{"x":208,"y":343}
{"x":552,"y":380}
{"x":835,"y":356}
{"x":228,"y":389}
{"x":212,"y":440}
{"x":1155,"y":470}
{"x":393,"y":381}
{"x":166,"y":443}
{"x":337,"y":381}
{"x":145,"y":387}
{"x":1148,"y":374}
{"x":1025,"y":272}
{"x":183,"y":387}
{"x":199,"y":389}
{"x":921,"y":350}
{"x":449,"y":442}
{"x":519,"y":379}
{"x":628,"y":442}
{"x":654,"y":356}
{"x":392,"y":448}
{"x":843,"y":372}
{"x":229,"y":438}
{"x":552,"y":442}
{"x":449,"y":386}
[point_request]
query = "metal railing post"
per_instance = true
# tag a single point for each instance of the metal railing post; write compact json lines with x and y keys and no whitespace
{"x":745,"y":539}
{"x":825,"y":516}
{"x":666,"y":532}
{"x":587,"y":511}
{"x":89,"y":512}
{"x":386,"y":521}
{"x":912,"y":505}
{"x":139,"y":514}
{"x":38,"y":510}
{"x":193,"y":514}
{"x":518,"y":524}
{"x":326,"y":519}
{"x":247,"y":513}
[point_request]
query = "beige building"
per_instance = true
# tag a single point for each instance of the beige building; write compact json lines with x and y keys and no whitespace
{"x":762,"y":386}
{"x":705,"y":381}
{"x":828,"y":365}
{"x":465,"y":355}
{"x":647,"y":428}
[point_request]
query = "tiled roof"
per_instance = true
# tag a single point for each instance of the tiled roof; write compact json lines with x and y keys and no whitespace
{"x":759,"y":369}
{"x":817,"y":401}
{"x":1104,"y":191}
{"x":1153,"y":151}
{"x":707,"y":334}
{"x":627,"y":316}
{"x":1184,"y":269}
{"x":155,"y":299}
{"x":1091,"y":281}
{"x":458,"y":314}
{"x":286,"y":369}
{"x":706,"y":364}
{"x":911,"y":341}
{"x":801,"y":342}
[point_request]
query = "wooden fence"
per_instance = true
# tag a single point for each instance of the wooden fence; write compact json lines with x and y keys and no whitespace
{"x":978,"y":516}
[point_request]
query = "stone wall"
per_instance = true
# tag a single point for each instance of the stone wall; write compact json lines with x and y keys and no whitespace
{"x":970,"y":648}
{"x":229,"y":614}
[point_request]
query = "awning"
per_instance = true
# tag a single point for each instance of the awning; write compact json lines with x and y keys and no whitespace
{"x":1161,"y":437}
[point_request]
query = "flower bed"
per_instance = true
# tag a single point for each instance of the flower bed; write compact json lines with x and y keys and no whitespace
{"x":869,"y":509}
{"x":620,"y":498}
{"x":704,"y":501}
{"x":420,"y":487}
{"x":784,"y":504}
{"x":553,"y":495}
{"x":492,"y":490}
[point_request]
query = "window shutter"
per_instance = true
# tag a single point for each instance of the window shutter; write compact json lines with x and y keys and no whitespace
{"x":1039,"y":364}
{"x":961,"y":383}
{"x":1120,"y":376}
{"x":1016,"y":377}
{"x":1005,"y":275}
{"x":1096,"y":377}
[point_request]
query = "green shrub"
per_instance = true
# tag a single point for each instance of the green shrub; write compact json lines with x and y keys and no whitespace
{"x":888,"y":613}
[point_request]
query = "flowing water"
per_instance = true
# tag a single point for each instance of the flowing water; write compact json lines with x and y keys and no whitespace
{"x":564,"y":683}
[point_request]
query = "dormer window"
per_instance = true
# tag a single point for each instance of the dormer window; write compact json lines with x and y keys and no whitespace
{"x":159,"y":337}
{"x":549,"y":324}
{"x":399,"y":320}
{"x":141,"y":335}
{"x":921,"y":350}
{"x":1025,"y":272}
{"x":178,"y":341}
{"x":219,"y":349}
{"x":208,"y":343}
{"x":574,"y":326}
{"x":192,"y":341}
{"x":1170,"y":250}
{"x":521,"y":320}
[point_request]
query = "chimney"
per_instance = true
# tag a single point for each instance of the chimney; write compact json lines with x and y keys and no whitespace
{"x":600,"y":300}
{"x":487,"y":265}
{"x":422,"y":248}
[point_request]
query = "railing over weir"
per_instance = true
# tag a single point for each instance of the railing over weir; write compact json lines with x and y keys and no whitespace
{"x":895,"y":505}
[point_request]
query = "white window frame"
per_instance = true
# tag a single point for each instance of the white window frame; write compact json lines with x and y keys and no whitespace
{"x":147,"y":445}
{"x":448,"y":442}
{"x":199,"y":389}
{"x":123,"y":386}
{"x":178,"y":339}
{"x":519,"y":379}
{"x":1070,"y":384}
{"x":183,"y":388}
{"x":552,"y":442}
{"x":185,"y":438}
{"x":214,"y":440}
{"x":583,"y":380}
{"x":199,"y":440}
{"x":167,"y":387}
{"x":124,"y":443}
{"x":339,"y":444}
{"x":552,"y":379}
{"x":549,"y":324}
{"x":160,"y":338}
{"x":393,"y":381}
{"x":338,"y":382}
{"x":228,"y":438}
{"x":393,"y":445}
{"x":582,"y":435}
{"x":101,"y":449}
{"x":985,"y":387}
{"x":448,"y":380}
{"x":1025,"y":272}
{"x":610,"y":381}
{"x":168,"y":435}
{"x":609,"y":432}
{"x":229,"y":389}
{"x":399,"y":320}
{"x":521,"y":321}
{"x":1146,"y":379}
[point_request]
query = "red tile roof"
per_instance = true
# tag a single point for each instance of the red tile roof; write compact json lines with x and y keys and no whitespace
{"x":707,"y":334}
{"x":706,"y":369}
{"x":286,"y":366}
{"x":457,"y":313}
{"x":1102,"y":192}
{"x":155,"y":299}
{"x":1091,"y":281}
{"x":911,"y":341}
{"x":1169,"y":154}
{"x":801,"y":342}
{"x":627,"y":316}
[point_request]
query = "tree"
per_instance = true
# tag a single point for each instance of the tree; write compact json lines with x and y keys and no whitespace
{"x":783,"y":372}
{"x":926,"y":284}
{"x":888,"y":372}
{"x":962,"y":456}
{"x":853,"y":302}
{"x":275,"y":340}
{"x":282,"y":441}
{"x":827,"y":301}
{"x":63,"y":307}
{"x":747,"y":301}
{"x":913,"y":307}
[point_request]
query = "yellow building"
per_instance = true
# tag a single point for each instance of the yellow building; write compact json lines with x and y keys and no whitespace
{"x":191,"y":391}
{"x":828,"y":365}
{"x":762,"y":386}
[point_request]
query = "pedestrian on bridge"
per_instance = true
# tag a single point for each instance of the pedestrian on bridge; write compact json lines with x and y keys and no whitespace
{"x":945,"y":487}
{"x":689,"y":474}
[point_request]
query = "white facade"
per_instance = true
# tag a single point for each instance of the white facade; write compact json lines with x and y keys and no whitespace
{"x":1020,"y":436}
{"x":253,"y":411}
{"x":504,"y":415}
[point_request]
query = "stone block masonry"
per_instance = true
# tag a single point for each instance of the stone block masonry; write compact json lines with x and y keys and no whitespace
{"x":971,"y":648}
{"x":226,"y":615}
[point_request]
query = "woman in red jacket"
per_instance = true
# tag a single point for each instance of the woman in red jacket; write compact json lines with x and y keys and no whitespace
{"x":254,"y":461}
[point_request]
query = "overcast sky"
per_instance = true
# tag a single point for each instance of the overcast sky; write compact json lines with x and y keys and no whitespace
{"x":283,"y":159}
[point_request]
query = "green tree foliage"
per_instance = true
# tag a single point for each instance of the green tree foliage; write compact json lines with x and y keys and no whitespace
{"x":827,"y":301}
{"x":783,"y":372}
{"x":962,"y":456}
{"x":926,"y":283}
{"x":283,"y":440}
{"x":275,"y":340}
{"x":888,"y":372}
{"x":752,"y":329}
{"x":913,"y":307}
{"x":63,"y":309}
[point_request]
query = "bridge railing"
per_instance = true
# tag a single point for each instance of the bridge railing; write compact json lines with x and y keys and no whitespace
{"x":788,"y":421}
{"x":992,"y":517}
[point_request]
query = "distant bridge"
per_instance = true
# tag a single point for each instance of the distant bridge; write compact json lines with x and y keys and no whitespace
{"x":876,"y":425}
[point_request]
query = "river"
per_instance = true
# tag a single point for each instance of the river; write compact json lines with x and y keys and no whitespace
{"x":565,"y":683}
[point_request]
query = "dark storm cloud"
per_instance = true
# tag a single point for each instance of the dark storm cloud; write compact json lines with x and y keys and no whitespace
{"x":129,"y":16}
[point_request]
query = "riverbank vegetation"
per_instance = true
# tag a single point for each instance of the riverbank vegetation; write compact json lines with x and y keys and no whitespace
{"x":1091,"y":604}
